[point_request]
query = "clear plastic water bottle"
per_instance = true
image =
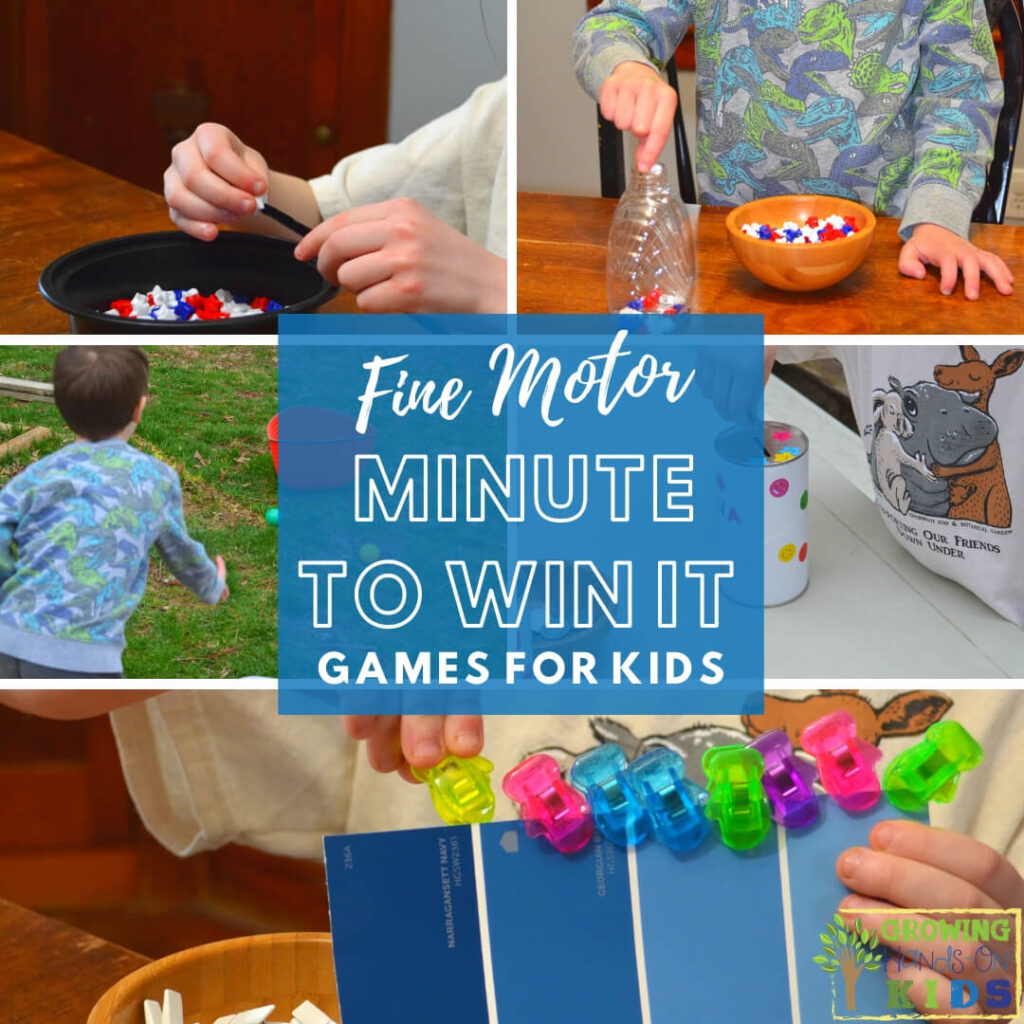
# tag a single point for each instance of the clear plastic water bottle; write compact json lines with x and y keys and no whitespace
{"x":651,"y":259}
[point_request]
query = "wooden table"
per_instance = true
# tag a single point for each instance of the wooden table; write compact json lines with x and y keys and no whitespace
{"x":52,"y":204}
{"x":561,"y":267}
{"x":52,"y":973}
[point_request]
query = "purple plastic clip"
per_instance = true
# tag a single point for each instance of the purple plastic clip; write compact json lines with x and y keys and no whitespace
{"x":788,"y":781}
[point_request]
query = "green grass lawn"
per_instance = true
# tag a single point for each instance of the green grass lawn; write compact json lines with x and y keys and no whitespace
{"x":207,"y":417}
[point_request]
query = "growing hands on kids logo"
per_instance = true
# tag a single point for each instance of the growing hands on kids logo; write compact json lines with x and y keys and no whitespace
{"x":834,"y":101}
{"x":395,"y":253}
{"x":907,"y":864}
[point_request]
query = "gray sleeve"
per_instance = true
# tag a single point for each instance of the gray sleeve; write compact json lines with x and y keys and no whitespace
{"x":616,"y":31}
{"x":185,"y":557}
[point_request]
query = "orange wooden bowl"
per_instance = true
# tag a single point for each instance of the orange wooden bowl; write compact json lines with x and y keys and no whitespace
{"x":800,"y":268}
{"x":227,"y":977}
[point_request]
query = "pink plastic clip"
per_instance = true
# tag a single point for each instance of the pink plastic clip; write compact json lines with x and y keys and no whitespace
{"x":549,"y":805}
{"x":845,"y":761}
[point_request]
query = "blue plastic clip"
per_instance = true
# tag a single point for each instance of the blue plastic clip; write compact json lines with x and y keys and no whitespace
{"x":674,"y":803}
{"x":600,"y":774}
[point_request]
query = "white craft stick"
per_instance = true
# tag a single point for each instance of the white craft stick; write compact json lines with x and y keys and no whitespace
{"x":255,"y":1016}
{"x":172,"y":1011}
{"x":226,"y":1019}
{"x":151,"y":1011}
{"x":309,"y":1013}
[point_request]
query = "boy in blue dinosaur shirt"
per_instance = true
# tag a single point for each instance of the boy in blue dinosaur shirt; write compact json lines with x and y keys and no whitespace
{"x":76,"y":527}
{"x":892,"y":103}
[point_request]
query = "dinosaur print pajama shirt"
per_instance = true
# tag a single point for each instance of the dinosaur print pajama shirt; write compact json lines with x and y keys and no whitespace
{"x":891,"y":103}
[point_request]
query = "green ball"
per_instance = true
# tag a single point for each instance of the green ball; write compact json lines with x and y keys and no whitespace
{"x":271,"y":517}
{"x":369,"y":553}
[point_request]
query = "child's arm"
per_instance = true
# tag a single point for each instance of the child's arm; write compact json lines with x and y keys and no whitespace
{"x":947,"y":180}
{"x":620,"y":49}
{"x":912,"y":865}
{"x":214,"y":179}
{"x":8,"y":522}
{"x":187,"y":558}
{"x":397,"y":742}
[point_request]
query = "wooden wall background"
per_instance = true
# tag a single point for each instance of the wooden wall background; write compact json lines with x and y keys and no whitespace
{"x":72,"y":847}
{"x":115,"y":83}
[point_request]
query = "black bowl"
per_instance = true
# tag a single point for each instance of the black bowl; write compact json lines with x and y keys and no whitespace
{"x":83,"y":283}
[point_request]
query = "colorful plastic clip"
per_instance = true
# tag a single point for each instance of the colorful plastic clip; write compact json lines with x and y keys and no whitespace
{"x":788,"y":781}
{"x":930,"y":770}
{"x":846,"y":763}
{"x":674,"y":803}
{"x":737,"y":799}
{"x":549,"y":806}
{"x":601,"y":775}
{"x":460,"y":789}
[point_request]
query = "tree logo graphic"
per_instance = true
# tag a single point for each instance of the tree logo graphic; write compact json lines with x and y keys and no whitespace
{"x":848,"y":949}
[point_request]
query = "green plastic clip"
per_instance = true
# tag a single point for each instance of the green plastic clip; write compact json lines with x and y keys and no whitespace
{"x":460,"y":788}
{"x":738,"y":802}
{"x":930,"y":770}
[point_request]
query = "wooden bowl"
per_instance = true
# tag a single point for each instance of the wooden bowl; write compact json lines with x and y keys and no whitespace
{"x":226,"y":977}
{"x":800,"y":268}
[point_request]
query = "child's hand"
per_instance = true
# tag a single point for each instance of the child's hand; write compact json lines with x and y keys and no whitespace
{"x":212,"y":179}
{"x":931,"y":245}
{"x":398,"y":742}
{"x":398,"y":257}
{"x":636,"y":98}
{"x":222,"y":574}
{"x":914,"y":865}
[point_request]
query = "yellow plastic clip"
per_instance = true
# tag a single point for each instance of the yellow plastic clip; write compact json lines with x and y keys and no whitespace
{"x":460,"y":788}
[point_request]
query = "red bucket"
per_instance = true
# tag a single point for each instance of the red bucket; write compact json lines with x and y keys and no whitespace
{"x":272,"y":438}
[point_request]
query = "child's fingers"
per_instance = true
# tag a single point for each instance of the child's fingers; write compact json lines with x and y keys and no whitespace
{"x":359,"y":727}
{"x":609,"y":99}
{"x":464,"y":734}
{"x":422,"y":740}
{"x":910,"y":262}
{"x":347,"y":245}
{"x":384,"y":747}
{"x":999,"y":273}
{"x":643,"y":112}
{"x":953,"y":853}
{"x":222,"y":569}
{"x":971,"y":270}
{"x":309,"y":245}
{"x":906,"y":883}
{"x":949,"y":271}
{"x":222,"y":152}
{"x":624,"y":107}
{"x":203,"y":230}
{"x":661,"y":125}
{"x":357,"y":275}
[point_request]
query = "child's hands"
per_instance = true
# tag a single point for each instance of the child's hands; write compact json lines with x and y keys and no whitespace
{"x":398,"y":257}
{"x":636,"y":98}
{"x":914,"y":865}
{"x":931,"y":245}
{"x":399,"y":742}
{"x":222,"y":574}
{"x":212,"y":179}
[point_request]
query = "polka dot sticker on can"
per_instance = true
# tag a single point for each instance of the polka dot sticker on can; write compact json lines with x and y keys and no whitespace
{"x":803,"y":501}
{"x":803,"y":552}
{"x":786,"y":552}
{"x":779,"y":487}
